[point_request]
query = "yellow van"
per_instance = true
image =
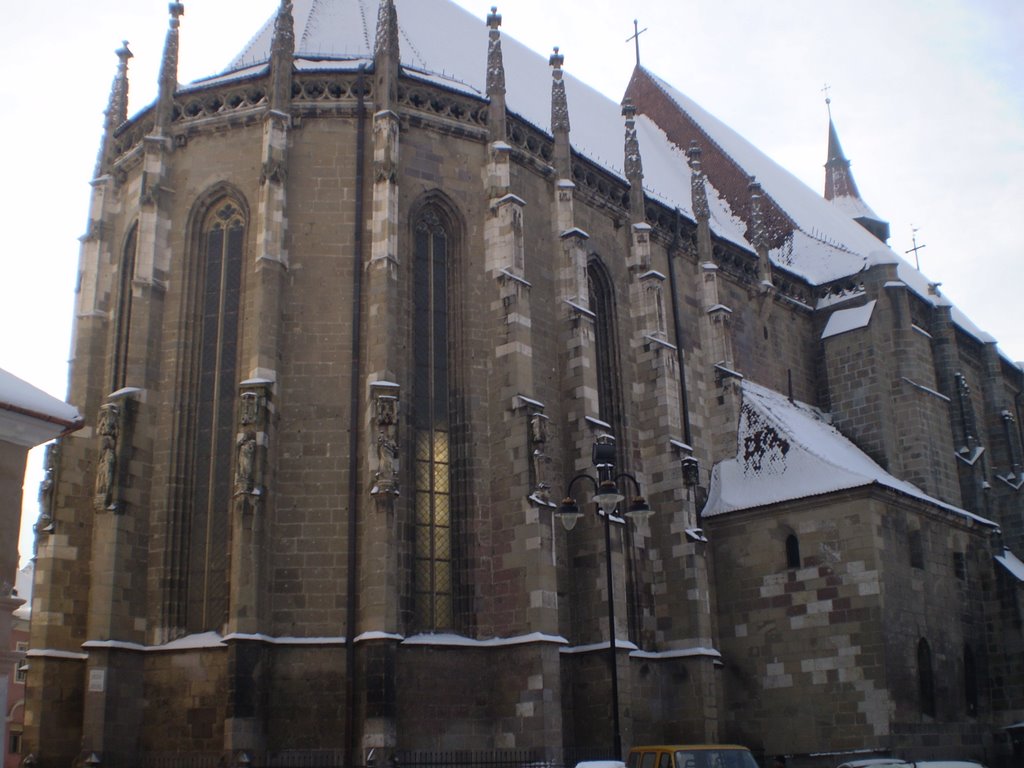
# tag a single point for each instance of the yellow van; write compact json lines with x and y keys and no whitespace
{"x":691,"y":756}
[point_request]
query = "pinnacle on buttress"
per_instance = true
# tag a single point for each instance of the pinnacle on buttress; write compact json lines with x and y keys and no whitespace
{"x":759,"y":231}
{"x":282,"y":54}
{"x":633,"y":165}
{"x":560,"y":117}
{"x":698,"y":190}
{"x":386,"y":61}
{"x":495,"y":78}
{"x":169,"y":69}
{"x":116,"y":112}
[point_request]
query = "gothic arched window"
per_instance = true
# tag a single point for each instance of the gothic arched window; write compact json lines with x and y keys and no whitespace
{"x":433,"y":581}
{"x":792,"y":551}
{"x":123,"y":312}
{"x":925,"y":678}
{"x":602,"y":304}
{"x":221,"y":242}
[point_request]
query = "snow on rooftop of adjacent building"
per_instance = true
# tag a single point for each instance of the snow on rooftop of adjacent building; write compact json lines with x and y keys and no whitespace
{"x":788,"y":450}
{"x":29,"y":416}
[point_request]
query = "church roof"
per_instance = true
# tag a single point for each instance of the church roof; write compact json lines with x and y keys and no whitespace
{"x":788,"y":450}
{"x":446,"y":45}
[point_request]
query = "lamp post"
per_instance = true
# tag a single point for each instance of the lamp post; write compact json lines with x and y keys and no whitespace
{"x":607,"y":498}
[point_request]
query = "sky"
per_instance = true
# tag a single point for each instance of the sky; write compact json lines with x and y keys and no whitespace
{"x":927,"y":97}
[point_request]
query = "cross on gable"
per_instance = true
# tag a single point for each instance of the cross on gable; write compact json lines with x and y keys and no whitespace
{"x":635,"y":37}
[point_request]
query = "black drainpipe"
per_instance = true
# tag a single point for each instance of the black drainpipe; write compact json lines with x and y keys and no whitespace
{"x":353,"y":429}
{"x":678,"y":329}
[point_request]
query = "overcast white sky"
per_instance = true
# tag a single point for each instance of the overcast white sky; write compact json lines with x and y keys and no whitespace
{"x":927,"y":95}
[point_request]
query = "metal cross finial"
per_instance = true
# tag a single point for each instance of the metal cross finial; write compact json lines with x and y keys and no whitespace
{"x":828,"y":99}
{"x":635,"y":37}
{"x":916,"y":248}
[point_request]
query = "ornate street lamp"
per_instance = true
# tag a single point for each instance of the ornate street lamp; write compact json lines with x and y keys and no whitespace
{"x":607,"y":498}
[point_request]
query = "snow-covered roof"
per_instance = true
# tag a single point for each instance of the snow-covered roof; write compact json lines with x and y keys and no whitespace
{"x":826,"y":244}
{"x":327,"y":38}
{"x":29,"y":416}
{"x":788,"y":450}
{"x":1012,"y":563}
{"x":23,"y":586}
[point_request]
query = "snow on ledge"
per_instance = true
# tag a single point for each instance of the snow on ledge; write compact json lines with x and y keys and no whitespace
{"x":843,"y":320}
{"x":677,"y":653}
{"x":1012,"y":563}
{"x":443,"y":640}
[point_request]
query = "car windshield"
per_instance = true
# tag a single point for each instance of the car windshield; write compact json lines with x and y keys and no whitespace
{"x":714,"y":758}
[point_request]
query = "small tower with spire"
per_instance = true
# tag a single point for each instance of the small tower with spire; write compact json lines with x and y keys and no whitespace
{"x":169,"y":71}
{"x":117,"y":108}
{"x":841,"y":190}
{"x":495,"y":78}
{"x":386,"y":61}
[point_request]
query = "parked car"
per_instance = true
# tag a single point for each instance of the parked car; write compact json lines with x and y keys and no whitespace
{"x":945,"y":764}
{"x":876,"y":762}
{"x":691,"y":756}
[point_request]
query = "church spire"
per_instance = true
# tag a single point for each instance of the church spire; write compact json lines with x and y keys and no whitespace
{"x":169,"y":70}
{"x":282,"y":53}
{"x":117,"y":107}
{"x":560,"y":117}
{"x":841,"y":190}
{"x":386,"y":60}
{"x":495,"y":78}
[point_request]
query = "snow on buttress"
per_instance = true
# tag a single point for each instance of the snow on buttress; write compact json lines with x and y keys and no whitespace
{"x":787,"y":451}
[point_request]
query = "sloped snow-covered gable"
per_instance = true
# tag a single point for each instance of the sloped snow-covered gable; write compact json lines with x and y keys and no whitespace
{"x":788,"y":450}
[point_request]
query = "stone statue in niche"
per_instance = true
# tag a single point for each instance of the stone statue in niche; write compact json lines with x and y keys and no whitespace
{"x":46,"y":487}
{"x":387,"y":445}
{"x":539,"y":459}
{"x":245,"y":470}
{"x":248,"y":461}
{"x":107,"y":428}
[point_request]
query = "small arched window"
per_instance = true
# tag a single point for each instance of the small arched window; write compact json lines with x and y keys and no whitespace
{"x":221,"y":243}
{"x":123,"y":311}
{"x":925,"y":678}
{"x":433,"y":578}
{"x":609,"y":388}
{"x":792,"y":551}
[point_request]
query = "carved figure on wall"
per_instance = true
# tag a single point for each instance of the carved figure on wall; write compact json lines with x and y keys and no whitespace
{"x":106,"y":465}
{"x":47,"y":486}
{"x":245,"y":471}
{"x":386,"y":476}
{"x":539,"y":458}
{"x":249,"y":410}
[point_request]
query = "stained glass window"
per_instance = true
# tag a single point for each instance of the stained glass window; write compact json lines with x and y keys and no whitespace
{"x":222,"y":239}
{"x":432,"y":573}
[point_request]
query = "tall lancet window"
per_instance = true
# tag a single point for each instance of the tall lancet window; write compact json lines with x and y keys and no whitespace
{"x":432,"y":575}
{"x":222,"y":239}
{"x":123,"y":312}
{"x":602,"y":304}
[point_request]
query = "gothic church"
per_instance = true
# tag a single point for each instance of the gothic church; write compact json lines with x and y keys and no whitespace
{"x":412,"y":425}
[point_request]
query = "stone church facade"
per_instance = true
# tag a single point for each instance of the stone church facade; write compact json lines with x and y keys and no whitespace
{"x":348,"y":329}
